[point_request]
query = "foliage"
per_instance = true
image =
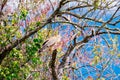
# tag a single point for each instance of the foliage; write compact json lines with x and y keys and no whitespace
{"x":22,"y":59}
{"x":89,"y":48}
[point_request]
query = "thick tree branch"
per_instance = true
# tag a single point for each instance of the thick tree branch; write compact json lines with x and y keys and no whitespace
{"x":52,"y":65}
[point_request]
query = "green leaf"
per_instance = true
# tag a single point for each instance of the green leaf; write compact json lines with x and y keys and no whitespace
{"x":96,"y":4}
{"x":24,"y":13}
{"x":118,"y":55}
{"x":36,"y":40}
{"x":38,"y":23}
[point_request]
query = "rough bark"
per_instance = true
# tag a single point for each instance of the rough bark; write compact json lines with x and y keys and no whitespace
{"x":52,"y":65}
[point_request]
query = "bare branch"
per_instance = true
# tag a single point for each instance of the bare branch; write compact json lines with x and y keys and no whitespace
{"x":87,"y":18}
{"x":107,"y":22}
{"x":51,"y":4}
{"x":79,"y":6}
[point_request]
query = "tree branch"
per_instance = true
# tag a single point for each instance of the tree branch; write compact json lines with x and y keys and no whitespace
{"x":79,"y":6}
{"x":52,"y":65}
{"x":87,"y":18}
{"x":2,"y":6}
{"x":62,"y":64}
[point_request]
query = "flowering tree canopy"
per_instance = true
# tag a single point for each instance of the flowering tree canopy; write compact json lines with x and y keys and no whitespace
{"x":82,"y":37}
